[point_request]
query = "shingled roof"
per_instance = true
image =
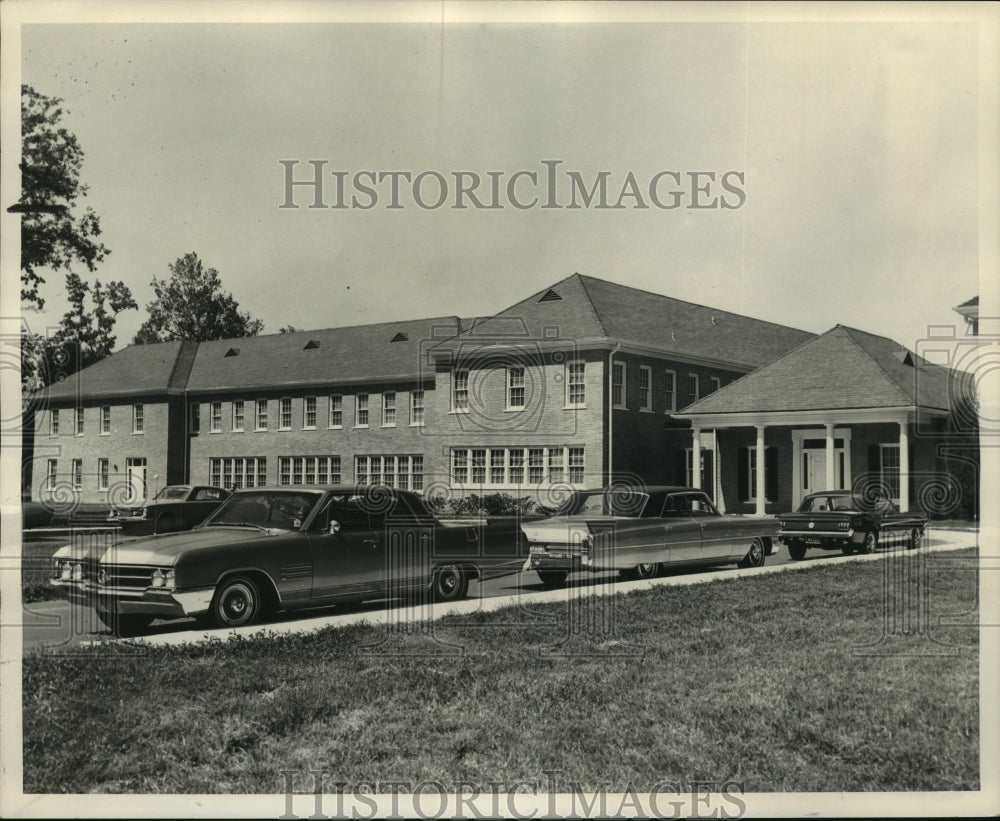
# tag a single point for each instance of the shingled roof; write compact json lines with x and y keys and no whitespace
{"x":137,"y":370}
{"x":840,"y":369}
{"x":582,"y":309}
{"x":388,"y":350}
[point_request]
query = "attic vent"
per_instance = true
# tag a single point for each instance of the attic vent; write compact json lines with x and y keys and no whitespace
{"x":549,"y":296}
{"x":400,"y":337}
{"x":233,"y":352}
{"x":311,"y":345}
{"x":904,"y":357}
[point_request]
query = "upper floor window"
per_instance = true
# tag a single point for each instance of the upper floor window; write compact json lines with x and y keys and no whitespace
{"x":389,"y":409}
{"x":336,"y":411}
{"x":103,"y":474}
{"x":645,"y":388}
{"x":285,"y":414}
{"x":416,"y":407}
{"x":576,"y":396}
{"x":195,"y":417}
{"x":138,"y":418}
{"x":51,"y":472}
{"x":460,"y":391}
{"x":216,"y":421}
{"x":78,"y":473}
{"x":716,"y":383}
{"x":515,"y":387}
{"x":105,"y":420}
{"x":618,"y":384}
{"x":361,"y":411}
{"x":238,"y":415}
{"x":54,"y":422}
{"x":670,"y":390}
{"x":261,"y":415}
{"x":693,"y":387}
{"x":79,"y":421}
{"x":309,"y":413}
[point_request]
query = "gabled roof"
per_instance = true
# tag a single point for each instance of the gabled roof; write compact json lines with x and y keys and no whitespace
{"x":332,"y":355}
{"x":134,"y":371}
{"x":970,"y":303}
{"x":840,"y":369}
{"x":582,"y":308}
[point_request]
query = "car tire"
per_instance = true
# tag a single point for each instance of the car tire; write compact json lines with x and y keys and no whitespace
{"x":755,"y":555}
{"x":236,"y":603}
{"x":916,"y":538}
{"x":124,"y":624}
{"x":450,"y":583}
{"x":870,"y":544}
{"x":553,"y":579}
{"x":649,"y":570}
{"x":797,"y":550}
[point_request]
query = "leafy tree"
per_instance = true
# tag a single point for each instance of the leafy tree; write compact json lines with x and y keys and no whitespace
{"x":191,"y":305}
{"x":288,"y":329}
{"x":51,"y":158}
{"x":89,"y":328}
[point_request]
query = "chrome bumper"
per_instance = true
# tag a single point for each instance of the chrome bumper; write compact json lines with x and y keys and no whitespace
{"x":152,"y":601}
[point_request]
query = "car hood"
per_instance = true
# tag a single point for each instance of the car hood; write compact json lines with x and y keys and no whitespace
{"x":165,"y":548}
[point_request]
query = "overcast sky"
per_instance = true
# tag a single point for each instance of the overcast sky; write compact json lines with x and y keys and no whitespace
{"x":857,"y":143}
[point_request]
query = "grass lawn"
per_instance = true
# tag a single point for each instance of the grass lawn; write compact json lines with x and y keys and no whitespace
{"x":753,"y":680}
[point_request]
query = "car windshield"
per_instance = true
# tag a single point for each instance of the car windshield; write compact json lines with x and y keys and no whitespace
{"x":173,"y":492}
{"x":604,"y":503}
{"x":265,"y":508}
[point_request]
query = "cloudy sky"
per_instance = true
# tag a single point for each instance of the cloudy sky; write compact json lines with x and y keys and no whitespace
{"x":857,"y":143}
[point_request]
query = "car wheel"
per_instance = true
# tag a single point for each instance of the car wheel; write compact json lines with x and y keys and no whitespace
{"x":796,"y":550}
{"x":236,"y":602}
{"x":124,"y":624}
{"x":640,"y":571}
{"x":871,"y":542}
{"x":552,"y":579}
{"x":754,"y":557}
{"x":450,"y":583}
{"x":916,"y":538}
{"x":847,"y":549}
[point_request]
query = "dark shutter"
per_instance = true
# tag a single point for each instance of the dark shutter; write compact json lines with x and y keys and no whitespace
{"x":680,"y":467}
{"x":874,"y":460}
{"x":771,"y":474}
{"x":742,"y":474}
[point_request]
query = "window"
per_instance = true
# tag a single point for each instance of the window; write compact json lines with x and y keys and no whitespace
{"x":103,"y":480}
{"x":216,"y":422}
{"x":309,"y":470}
{"x":389,"y":409}
{"x":889,"y":468}
{"x":747,"y":473}
{"x":618,"y":384}
{"x":54,"y":422}
{"x":716,"y":383}
{"x":50,"y":474}
{"x":285,"y":414}
{"x":137,"y":419}
{"x":693,"y":386}
{"x":670,"y":390}
{"x":515,"y":388}
{"x":105,"y":420}
{"x":77,"y":474}
{"x":576,"y":396}
{"x":261,"y":422}
{"x":405,"y":472}
{"x":79,"y":421}
{"x":238,"y":472}
{"x":361,"y":411}
{"x":336,"y":411}
{"x":309,"y":413}
{"x":195,"y":418}
{"x":460,"y":391}
{"x":645,"y":388}
{"x":416,"y":408}
{"x":238,"y":416}
{"x":505,"y":467}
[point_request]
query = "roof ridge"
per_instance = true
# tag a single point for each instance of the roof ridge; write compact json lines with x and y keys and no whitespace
{"x":590,"y":300}
{"x":333,"y":328}
{"x":912,"y":400}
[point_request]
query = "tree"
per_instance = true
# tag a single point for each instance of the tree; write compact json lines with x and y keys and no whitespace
{"x":89,"y":328}
{"x":51,"y":158}
{"x":288,"y":329}
{"x":191,"y":305}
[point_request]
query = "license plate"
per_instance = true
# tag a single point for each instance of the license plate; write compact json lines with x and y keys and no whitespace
{"x":812,"y":541}
{"x":558,"y":555}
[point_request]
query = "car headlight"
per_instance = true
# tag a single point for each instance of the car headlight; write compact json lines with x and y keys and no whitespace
{"x":65,"y":570}
{"x":159,"y":578}
{"x":77,"y":572}
{"x":170,"y":578}
{"x":782,"y":524}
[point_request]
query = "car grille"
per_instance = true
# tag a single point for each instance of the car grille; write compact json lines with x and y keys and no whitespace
{"x":135,"y":576}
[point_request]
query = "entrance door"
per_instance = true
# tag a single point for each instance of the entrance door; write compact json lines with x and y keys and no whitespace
{"x":135,"y":475}
{"x":816,"y":471}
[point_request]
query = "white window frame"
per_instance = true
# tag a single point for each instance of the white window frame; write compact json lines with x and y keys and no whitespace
{"x":285,"y":413}
{"x":308,"y":408}
{"x":618,"y":368}
{"x":239,"y":416}
{"x":670,"y":389}
{"x":215,"y":417}
{"x":103,"y":473}
{"x":138,"y":419}
{"x":238,"y":471}
{"x":260,"y":413}
{"x":78,"y":421}
{"x":752,"y":474}
{"x":76,"y":473}
{"x":716,"y":383}
{"x":362,"y":406}
{"x":645,"y":390}
{"x":194,"y":419}
{"x":576,"y":380}
{"x":105,"y":420}
{"x":336,"y":406}
{"x":460,"y":396}
{"x":54,"y":422}
{"x":890,"y":447}
{"x":51,"y":474}
{"x":522,"y":387}
{"x":310,"y":470}
{"x":388,"y":409}
{"x":404,"y":471}
{"x":517,"y":466}
{"x":417,"y":410}
{"x":694,"y":382}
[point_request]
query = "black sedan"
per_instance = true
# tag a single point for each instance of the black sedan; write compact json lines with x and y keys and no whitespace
{"x":176,"y":507}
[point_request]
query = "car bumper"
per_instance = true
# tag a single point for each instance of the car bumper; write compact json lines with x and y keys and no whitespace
{"x":542,"y":561}
{"x":152,"y":601}
{"x":821,"y":537}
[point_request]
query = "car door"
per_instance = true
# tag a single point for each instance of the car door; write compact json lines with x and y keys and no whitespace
{"x":681,"y":529}
{"x":349,"y":559}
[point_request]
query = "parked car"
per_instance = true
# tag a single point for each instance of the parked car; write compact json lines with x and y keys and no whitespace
{"x":270,"y":549}
{"x":639,"y":532}
{"x":175,"y":507}
{"x":847,"y":521}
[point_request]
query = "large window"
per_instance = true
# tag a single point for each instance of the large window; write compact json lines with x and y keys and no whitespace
{"x":77,"y":474}
{"x":261,"y":423}
{"x":285,"y":414}
{"x":618,"y":384}
{"x":889,"y":468}
{"x":138,"y":419}
{"x":54,"y":422}
{"x":576,"y":392}
{"x":361,"y":410}
{"x":103,"y":474}
{"x":309,"y":470}
{"x":215,"y":423}
{"x":405,"y":472}
{"x":670,"y":390}
{"x":336,"y":411}
{"x":309,"y":413}
{"x":460,"y":391}
{"x":238,"y":472}
{"x":195,"y":417}
{"x":416,"y":408}
{"x":515,"y":388}
{"x":645,"y":388}
{"x":105,"y":420}
{"x":747,"y":473}
{"x":389,"y":409}
{"x":693,"y":387}
{"x":238,"y":416}
{"x":506,"y":467}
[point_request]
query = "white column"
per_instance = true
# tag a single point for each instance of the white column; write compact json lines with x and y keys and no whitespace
{"x":831,"y":473}
{"x":761,"y":477}
{"x":696,"y":457}
{"x":904,"y":467}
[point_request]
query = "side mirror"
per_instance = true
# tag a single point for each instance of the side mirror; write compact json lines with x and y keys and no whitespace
{"x":334,"y":527}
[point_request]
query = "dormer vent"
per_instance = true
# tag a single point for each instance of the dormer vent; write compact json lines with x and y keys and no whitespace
{"x":400,"y":337}
{"x":550,"y":296}
{"x":905,"y":357}
{"x":233,"y":352}
{"x":311,"y":345}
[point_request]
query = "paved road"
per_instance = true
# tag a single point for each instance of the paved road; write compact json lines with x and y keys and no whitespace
{"x":57,"y":627}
